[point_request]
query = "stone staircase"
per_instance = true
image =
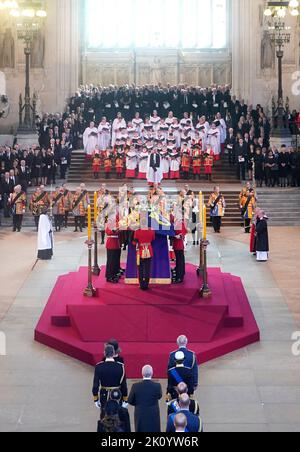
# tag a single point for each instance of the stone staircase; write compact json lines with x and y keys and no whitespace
{"x":281,"y":205}
{"x":81,"y":171}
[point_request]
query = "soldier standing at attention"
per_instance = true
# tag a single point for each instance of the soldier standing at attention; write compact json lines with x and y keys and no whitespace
{"x":58,"y":207}
{"x":68,"y":200}
{"x":39,"y":203}
{"x":179,"y":374}
{"x":248,"y":203}
{"x":17,"y":202}
{"x":144,"y":238}
{"x":217,"y":207}
{"x":109,"y":376}
{"x":79,"y":207}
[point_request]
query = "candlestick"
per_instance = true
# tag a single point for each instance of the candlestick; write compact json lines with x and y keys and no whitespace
{"x":201,"y":207}
{"x":204,"y":223}
{"x":90,"y":291}
{"x":89,"y":223}
{"x":205,"y":291}
{"x":95,"y":207}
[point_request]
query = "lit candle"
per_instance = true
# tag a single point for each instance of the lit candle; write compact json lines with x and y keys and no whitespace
{"x":89,"y":223}
{"x":201,"y":207}
{"x":204,"y":223}
{"x":95,"y":207}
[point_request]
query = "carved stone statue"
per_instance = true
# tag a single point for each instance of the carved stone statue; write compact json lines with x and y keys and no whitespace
{"x":38,"y":50}
{"x":8,"y":50}
{"x":267,"y":52}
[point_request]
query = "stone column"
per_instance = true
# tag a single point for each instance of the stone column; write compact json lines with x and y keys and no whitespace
{"x":67,"y":49}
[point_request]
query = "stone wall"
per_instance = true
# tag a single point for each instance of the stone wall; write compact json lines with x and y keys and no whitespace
{"x":55,"y":71}
{"x":65,"y":62}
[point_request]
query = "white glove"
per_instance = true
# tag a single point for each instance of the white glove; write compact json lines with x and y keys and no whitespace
{"x":125,"y":405}
{"x":98,"y":405}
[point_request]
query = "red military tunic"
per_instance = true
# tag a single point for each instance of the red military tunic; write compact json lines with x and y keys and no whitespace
{"x":145,"y":239}
{"x":178,"y":241}
{"x":113,"y":239}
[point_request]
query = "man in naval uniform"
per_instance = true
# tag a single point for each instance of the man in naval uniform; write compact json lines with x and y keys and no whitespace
{"x":109,"y":376}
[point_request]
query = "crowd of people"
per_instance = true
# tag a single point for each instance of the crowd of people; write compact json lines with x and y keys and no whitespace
{"x":112,"y":398}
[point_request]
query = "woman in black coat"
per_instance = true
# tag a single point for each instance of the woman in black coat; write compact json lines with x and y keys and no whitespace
{"x":259,"y":166}
{"x":283,"y":162}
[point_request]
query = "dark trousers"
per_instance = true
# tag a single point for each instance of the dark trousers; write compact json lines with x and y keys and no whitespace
{"x":58,"y":222}
{"x":217,"y":223}
{"x":241,"y":171}
{"x":36,"y":221}
{"x":144,"y":273}
{"x":66,"y":218}
{"x":112,"y":264}
{"x":79,"y":223}
{"x":6,"y":208}
{"x":17,"y":222}
{"x":247,"y":226}
{"x":102,"y":237}
{"x":180,"y":265}
{"x":63,"y":171}
{"x":231,"y":156}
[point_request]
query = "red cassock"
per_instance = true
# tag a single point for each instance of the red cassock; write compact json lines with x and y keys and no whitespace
{"x":252,"y":239}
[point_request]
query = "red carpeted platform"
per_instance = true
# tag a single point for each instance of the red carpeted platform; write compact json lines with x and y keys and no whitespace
{"x":147,"y":324}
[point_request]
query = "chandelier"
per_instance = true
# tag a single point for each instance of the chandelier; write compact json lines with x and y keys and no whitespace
{"x":281,"y":9}
{"x":25,"y":9}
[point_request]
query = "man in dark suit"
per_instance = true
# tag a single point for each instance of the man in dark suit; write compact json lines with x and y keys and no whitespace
{"x":24,"y":176}
{"x":241,"y":155}
{"x":7,"y":188}
{"x":145,"y":396}
{"x":190,"y":358}
{"x":194,"y":423}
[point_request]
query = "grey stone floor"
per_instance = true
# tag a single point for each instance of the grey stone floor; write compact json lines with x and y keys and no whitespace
{"x":254,"y":389}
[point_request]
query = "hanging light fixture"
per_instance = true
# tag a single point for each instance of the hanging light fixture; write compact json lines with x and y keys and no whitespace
{"x":280,"y":9}
{"x":28,"y":9}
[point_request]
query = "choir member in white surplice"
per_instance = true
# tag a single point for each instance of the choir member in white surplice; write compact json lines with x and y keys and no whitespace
{"x":104,"y":131}
{"x":214,"y":140}
{"x":155,"y":173}
{"x":90,"y":139}
{"x":143,"y":164}
{"x":138,"y":123}
{"x":222,"y":127}
{"x":119,"y":124}
{"x":131,"y":164}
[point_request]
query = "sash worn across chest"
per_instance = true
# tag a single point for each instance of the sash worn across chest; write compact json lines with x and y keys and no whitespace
{"x":58,"y":198}
{"x":78,"y":201}
{"x":16,"y":199}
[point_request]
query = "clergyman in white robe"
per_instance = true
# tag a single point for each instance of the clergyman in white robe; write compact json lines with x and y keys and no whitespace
{"x":45,"y":238}
{"x":155,"y":172}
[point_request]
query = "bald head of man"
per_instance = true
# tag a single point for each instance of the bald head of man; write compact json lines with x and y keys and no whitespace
{"x":184,"y":402}
{"x":147,"y":372}
{"x":180,"y":423}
